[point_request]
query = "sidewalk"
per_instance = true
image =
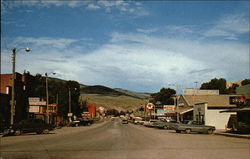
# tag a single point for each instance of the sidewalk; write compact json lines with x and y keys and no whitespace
{"x":231,"y":134}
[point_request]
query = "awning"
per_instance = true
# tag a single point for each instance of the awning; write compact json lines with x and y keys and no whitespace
{"x":245,"y":109}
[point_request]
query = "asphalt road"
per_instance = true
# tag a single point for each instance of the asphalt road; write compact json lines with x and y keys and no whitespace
{"x":114,"y":140}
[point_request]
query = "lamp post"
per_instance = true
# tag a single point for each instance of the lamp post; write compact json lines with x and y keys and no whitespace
{"x":12,"y":108}
{"x":47,"y":96}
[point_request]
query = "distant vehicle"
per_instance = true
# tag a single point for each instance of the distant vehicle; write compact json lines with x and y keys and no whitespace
{"x":74,"y":123}
{"x":150,"y":123}
{"x":136,"y":120}
{"x":193,"y":126}
{"x":164,"y":124}
{"x":86,"y":121}
{"x":141,"y":122}
{"x":124,"y":121}
{"x":29,"y":126}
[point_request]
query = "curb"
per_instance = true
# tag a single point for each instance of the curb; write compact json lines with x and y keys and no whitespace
{"x":234,"y":135}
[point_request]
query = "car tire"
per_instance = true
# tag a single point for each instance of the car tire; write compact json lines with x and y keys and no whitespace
{"x":165,"y":127}
{"x":17,"y":132}
{"x":45,"y":131}
{"x":177,"y":131}
{"x":210,"y":131}
{"x":188,"y":131}
{"x":39,"y":132}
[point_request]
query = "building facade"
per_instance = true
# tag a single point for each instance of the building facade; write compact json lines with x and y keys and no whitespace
{"x":187,"y":106}
{"x":21,"y":100}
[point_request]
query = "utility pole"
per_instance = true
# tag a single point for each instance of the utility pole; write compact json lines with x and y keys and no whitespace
{"x":47,"y":99}
{"x":69,"y":101}
{"x":12,"y":109}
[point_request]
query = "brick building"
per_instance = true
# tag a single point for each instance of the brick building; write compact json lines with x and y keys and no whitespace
{"x":21,"y":100}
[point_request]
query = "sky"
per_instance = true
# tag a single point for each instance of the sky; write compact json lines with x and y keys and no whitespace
{"x":140,"y":46}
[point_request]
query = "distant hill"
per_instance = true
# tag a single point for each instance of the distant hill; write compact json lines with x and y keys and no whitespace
{"x":133,"y":94}
{"x":102,"y":90}
{"x":98,"y":89}
{"x":109,"y":98}
{"x":113,"y":98}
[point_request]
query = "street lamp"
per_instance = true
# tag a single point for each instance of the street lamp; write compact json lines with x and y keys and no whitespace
{"x":47,"y":96}
{"x":12,"y":109}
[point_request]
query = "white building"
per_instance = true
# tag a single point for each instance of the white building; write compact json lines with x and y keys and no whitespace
{"x":209,"y":116}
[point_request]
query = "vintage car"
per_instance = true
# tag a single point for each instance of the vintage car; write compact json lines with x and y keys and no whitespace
{"x":124,"y":121}
{"x":164,"y":124}
{"x":86,"y":121}
{"x":150,"y":123}
{"x":193,"y":126}
{"x":29,"y":126}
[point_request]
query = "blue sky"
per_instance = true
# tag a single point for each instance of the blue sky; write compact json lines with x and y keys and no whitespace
{"x":135,"y":45}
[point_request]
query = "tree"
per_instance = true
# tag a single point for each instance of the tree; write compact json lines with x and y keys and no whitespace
{"x":164,"y":96}
{"x":232,"y":89}
{"x":113,"y":112}
{"x":58,"y":92}
{"x":245,"y":82}
{"x":219,"y":84}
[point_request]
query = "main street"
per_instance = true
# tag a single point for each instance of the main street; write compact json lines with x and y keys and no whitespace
{"x":114,"y":140}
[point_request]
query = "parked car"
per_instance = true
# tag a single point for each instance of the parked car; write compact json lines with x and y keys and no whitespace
{"x":164,"y":124}
{"x":150,"y":123}
{"x":29,"y":126}
{"x":74,"y":123}
{"x":137,"y":120}
{"x":193,"y":126}
{"x":124,"y":121}
{"x":86,"y":121}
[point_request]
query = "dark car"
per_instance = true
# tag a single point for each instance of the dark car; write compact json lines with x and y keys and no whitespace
{"x":29,"y":126}
{"x":86,"y":121}
{"x":193,"y":126}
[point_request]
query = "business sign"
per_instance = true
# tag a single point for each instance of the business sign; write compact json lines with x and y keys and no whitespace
{"x":150,"y":105}
{"x":169,"y":107}
{"x":237,"y":99}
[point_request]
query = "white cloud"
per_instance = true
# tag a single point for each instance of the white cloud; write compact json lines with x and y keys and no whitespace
{"x":60,"y":43}
{"x":92,"y":7}
{"x":215,"y":32}
{"x":137,"y":62}
{"x":146,"y":31}
{"x":230,"y":26}
{"x":181,"y":29}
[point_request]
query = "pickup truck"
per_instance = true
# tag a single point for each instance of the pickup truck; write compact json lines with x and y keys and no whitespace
{"x":193,"y":126}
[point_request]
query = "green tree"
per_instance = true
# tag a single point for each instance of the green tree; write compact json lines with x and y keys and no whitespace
{"x":164,"y":96}
{"x":113,"y":112}
{"x":58,"y":92}
{"x":245,"y":82}
{"x":219,"y":84}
